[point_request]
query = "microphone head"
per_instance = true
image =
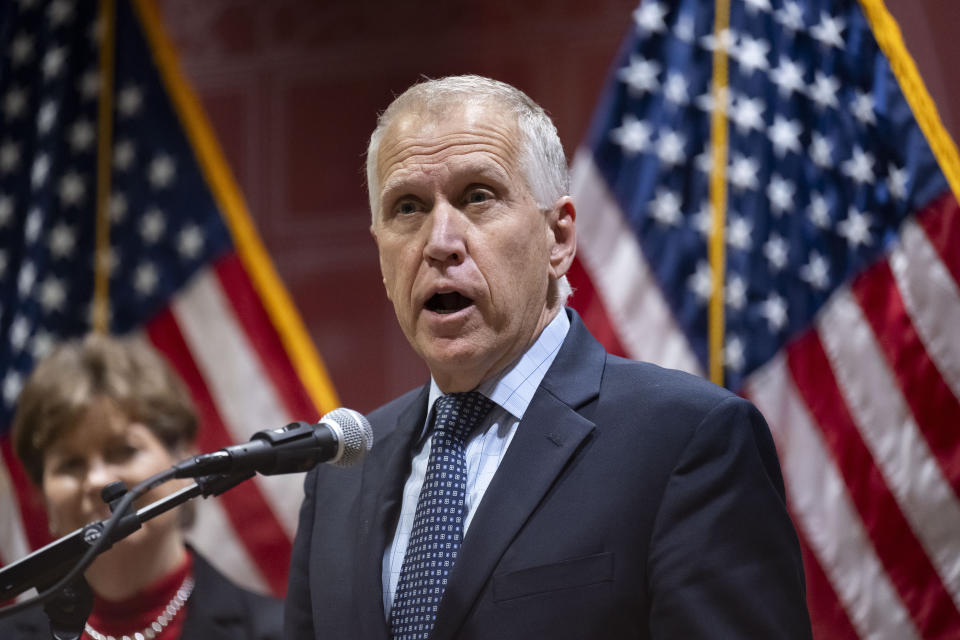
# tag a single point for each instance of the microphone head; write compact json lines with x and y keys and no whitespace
{"x":356,"y":435}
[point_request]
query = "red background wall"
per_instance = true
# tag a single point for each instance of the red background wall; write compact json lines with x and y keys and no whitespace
{"x":292,"y":88}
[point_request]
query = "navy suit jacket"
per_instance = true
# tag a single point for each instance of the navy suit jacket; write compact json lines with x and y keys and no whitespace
{"x":633,"y":502}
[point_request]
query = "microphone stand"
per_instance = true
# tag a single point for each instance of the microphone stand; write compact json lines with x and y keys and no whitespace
{"x":68,"y":609}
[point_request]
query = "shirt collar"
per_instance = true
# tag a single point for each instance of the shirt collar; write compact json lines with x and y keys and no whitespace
{"x":513,"y":388}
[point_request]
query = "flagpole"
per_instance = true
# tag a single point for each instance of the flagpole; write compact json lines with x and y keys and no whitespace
{"x":718,"y":189}
{"x":101,"y":269}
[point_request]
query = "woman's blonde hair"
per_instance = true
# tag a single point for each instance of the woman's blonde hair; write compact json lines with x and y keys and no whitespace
{"x":127,"y":371}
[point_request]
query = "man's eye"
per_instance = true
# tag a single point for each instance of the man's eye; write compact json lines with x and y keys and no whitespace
{"x":477,"y":196}
{"x":406,"y":207}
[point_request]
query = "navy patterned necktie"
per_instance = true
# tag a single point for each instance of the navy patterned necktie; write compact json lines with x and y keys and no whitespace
{"x":438,"y":521}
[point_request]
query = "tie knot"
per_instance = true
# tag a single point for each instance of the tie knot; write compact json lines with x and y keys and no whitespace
{"x":456,"y":414}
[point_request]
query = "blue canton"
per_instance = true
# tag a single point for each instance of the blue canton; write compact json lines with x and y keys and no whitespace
{"x":825,"y":161}
{"x":164,"y":223}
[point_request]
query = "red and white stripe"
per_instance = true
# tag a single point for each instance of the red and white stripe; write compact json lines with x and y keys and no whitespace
{"x":23,"y":518}
{"x":219,"y":339}
{"x":930,"y":296}
{"x":619,"y":272}
{"x":864,"y":407}
{"x":13,"y":536}
{"x":890,"y":432}
{"x":823,"y":510}
{"x":233,"y":373}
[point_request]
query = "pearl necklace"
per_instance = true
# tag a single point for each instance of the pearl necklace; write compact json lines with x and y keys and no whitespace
{"x":160,"y":622}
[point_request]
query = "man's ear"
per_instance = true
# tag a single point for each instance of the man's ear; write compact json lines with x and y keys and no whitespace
{"x":562,"y":220}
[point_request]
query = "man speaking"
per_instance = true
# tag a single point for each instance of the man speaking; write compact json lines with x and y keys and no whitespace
{"x":537,"y":487}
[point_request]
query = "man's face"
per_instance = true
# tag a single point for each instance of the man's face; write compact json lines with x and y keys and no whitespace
{"x":466,"y":253}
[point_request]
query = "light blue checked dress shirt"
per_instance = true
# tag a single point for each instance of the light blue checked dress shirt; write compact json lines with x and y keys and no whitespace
{"x":511,"y":391}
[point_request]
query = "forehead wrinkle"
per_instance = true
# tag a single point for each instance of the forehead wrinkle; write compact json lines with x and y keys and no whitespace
{"x":492,"y":166}
{"x":418,"y":134}
{"x":438,"y":148}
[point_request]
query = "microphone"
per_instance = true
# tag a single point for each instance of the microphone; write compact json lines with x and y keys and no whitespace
{"x":342,"y":437}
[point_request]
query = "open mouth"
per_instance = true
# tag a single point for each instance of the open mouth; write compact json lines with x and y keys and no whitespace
{"x":447,"y":302}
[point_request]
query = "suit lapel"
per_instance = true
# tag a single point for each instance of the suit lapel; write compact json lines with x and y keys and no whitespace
{"x":548,"y":436}
{"x":384,"y":475}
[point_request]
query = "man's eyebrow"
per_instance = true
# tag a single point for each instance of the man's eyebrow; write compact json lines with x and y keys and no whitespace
{"x":470,"y":171}
{"x":394,"y":186}
{"x":493,"y":169}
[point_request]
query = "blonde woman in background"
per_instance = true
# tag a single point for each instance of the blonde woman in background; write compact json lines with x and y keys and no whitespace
{"x":100,"y":410}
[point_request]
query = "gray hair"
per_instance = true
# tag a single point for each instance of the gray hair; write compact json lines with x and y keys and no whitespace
{"x":542,"y":161}
{"x":541,"y":154}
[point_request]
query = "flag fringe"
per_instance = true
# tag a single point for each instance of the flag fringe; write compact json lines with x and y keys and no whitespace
{"x":888,"y":36}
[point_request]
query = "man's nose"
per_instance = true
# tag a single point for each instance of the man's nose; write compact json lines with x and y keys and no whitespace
{"x":446,"y":242}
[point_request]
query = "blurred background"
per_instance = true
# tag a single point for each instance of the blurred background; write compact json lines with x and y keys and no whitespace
{"x":867,"y":435}
{"x":292,"y":88}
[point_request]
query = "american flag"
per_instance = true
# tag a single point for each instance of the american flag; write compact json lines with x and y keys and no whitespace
{"x":181,"y":264}
{"x":767,"y":195}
